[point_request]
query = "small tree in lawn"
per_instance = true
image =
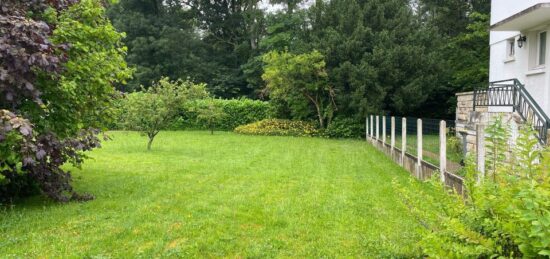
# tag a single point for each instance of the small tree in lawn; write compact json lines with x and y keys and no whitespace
{"x":211,"y":115}
{"x":301,"y":81}
{"x":153,"y":109}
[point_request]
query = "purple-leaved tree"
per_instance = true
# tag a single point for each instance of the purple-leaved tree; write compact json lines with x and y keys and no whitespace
{"x":49,"y":111}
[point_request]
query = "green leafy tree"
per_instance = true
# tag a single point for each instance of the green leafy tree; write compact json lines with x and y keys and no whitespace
{"x":162,"y":40}
{"x":403,"y":57}
{"x":469,"y":55}
{"x":231,"y":31}
{"x":398,"y":56}
{"x":300,"y":80}
{"x":83,"y":95}
{"x":211,"y":115}
{"x":451,"y":17}
{"x":59,"y":62}
{"x":156,"y":107}
{"x":284,"y":31}
{"x":463,"y":45}
{"x":205,"y":41}
{"x":379,"y":55}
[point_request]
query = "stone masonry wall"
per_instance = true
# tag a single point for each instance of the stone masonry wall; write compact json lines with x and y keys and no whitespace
{"x":467,"y":119}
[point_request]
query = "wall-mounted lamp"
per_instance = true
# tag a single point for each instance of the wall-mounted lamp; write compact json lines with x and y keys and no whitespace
{"x":521,"y":40}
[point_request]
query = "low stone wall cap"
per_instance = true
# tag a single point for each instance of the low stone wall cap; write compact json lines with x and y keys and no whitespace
{"x":464,"y":93}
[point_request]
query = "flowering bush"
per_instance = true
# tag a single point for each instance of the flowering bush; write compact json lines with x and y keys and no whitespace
{"x":277,"y":127}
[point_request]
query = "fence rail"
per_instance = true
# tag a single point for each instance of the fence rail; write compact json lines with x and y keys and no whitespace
{"x":511,"y":93}
{"x":418,"y":145}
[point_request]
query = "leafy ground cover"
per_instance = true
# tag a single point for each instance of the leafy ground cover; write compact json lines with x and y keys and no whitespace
{"x":197,"y":194}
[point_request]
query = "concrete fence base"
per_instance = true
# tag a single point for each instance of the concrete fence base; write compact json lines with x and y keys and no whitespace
{"x":415,"y":165}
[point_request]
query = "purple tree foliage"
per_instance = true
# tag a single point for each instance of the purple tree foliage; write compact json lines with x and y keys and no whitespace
{"x":33,"y":157}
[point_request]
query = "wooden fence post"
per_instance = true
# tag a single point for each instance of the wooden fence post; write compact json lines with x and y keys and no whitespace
{"x":392,"y":140}
{"x":419,"y":148}
{"x":383,"y":131}
{"x":377,"y":127}
{"x":443,"y":149}
{"x":480,"y":146}
{"x":403,"y":140}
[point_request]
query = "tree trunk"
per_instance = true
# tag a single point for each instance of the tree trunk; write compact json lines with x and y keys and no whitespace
{"x":320,"y":115}
{"x":149,"y":144}
{"x":318,"y":108}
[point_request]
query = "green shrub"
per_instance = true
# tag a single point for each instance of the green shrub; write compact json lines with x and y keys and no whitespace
{"x":454,"y":144}
{"x":455,"y":151}
{"x":118,"y":112}
{"x":277,"y":127}
{"x":211,"y":116}
{"x":156,"y":108}
{"x":344,"y":128}
{"x":507,"y":214}
{"x":236,"y":112}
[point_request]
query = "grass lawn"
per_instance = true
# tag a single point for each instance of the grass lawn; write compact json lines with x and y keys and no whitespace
{"x":223,"y":195}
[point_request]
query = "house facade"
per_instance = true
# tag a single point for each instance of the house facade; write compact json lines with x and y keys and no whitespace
{"x":519,"y":41}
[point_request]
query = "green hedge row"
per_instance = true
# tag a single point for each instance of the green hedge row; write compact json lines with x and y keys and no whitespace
{"x":344,"y":128}
{"x":236,"y":112}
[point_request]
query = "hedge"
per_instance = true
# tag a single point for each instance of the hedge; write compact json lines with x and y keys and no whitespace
{"x":237,"y":112}
{"x":344,"y":128}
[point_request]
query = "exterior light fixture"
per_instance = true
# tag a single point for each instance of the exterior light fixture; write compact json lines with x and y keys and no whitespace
{"x":522,"y":39}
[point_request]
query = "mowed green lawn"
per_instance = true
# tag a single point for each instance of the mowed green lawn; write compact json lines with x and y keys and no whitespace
{"x":226,"y":195}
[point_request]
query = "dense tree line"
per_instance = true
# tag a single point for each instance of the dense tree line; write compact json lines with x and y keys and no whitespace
{"x":395,"y":56}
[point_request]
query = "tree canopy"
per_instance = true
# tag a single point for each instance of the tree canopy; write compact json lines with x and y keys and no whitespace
{"x":59,"y":61}
{"x":301,"y":81}
{"x":393,"y":56}
{"x":153,"y":109}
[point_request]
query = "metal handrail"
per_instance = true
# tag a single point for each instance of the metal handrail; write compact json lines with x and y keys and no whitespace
{"x":511,"y":93}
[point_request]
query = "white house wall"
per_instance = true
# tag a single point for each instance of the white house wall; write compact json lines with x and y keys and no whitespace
{"x":501,"y":67}
{"x":502,"y":9}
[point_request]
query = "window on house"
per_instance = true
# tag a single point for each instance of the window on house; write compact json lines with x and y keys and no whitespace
{"x":511,"y":49}
{"x":542,"y":48}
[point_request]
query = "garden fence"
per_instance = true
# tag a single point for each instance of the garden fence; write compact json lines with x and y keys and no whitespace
{"x":421,"y":146}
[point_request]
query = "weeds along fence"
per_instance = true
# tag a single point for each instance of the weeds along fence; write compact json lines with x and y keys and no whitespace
{"x":423,"y":147}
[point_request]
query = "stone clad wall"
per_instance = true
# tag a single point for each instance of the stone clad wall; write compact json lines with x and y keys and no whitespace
{"x":465,"y":105}
{"x":467,"y":119}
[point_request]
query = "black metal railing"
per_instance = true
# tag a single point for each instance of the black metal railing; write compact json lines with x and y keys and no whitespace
{"x":511,"y":93}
